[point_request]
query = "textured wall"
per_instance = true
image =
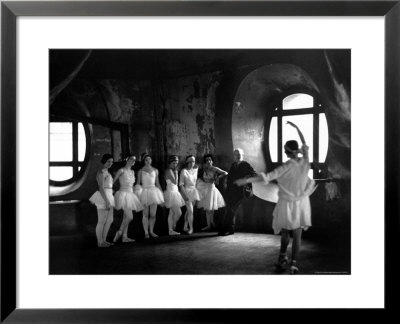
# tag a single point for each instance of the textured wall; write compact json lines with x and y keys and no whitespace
{"x":211,"y":113}
{"x":249,"y":110}
{"x":175,"y":117}
{"x":251,"y":103}
{"x":190,"y":103}
{"x":108,"y":100}
{"x":128,"y":102}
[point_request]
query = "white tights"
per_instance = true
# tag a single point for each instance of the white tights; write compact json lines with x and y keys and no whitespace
{"x":149,"y":219}
{"x":173,"y":217}
{"x":127,"y":218}
{"x":105,"y":218}
{"x":210,"y":219}
{"x":189,"y":217}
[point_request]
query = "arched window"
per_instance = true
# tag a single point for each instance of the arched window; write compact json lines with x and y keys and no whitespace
{"x":307,"y":112}
{"x":69,"y":142}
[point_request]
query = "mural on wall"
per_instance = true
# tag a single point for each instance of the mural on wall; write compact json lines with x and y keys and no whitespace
{"x":120,"y":99}
{"x":191,"y":103}
{"x":123,"y":100}
{"x":177,"y":136}
{"x":339,"y":112}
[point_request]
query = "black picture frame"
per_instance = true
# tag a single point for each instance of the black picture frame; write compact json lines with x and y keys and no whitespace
{"x":10,"y":10}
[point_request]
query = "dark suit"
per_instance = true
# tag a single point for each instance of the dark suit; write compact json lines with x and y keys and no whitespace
{"x":234,"y":193}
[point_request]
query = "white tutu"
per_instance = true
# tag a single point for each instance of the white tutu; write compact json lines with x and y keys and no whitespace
{"x":97,"y":199}
{"x":172,"y":196}
{"x":151,"y":195}
{"x":201,"y":187}
{"x":127,"y":200}
{"x":211,"y":198}
{"x":291,"y":211}
{"x":192,"y":193}
{"x":291,"y":215}
{"x":137,"y":190}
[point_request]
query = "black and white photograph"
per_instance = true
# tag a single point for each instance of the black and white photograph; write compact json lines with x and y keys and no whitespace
{"x":200,"y":161}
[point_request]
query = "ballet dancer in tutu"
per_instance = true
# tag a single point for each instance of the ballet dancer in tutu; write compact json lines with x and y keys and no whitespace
{"x":292,"y":212}
{"x":125,"y":199}
{"x":187,"y":184}
{"x":104,"y":201}
{"x":150,"y":195}
{"x":210,"y":197}
{"x":173,"y":198}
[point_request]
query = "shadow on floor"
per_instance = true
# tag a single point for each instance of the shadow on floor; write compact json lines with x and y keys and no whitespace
{"x":199,"y":253}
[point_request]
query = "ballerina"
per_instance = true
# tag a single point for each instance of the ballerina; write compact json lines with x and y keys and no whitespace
{"x":172,"y":196}
{"x":292,"y":212}
{"x":104,"y":201}
{"x":211,"y":198}
{"x":150,"y":195}
{"x":187,"y":184}
{"x":125,"y":198}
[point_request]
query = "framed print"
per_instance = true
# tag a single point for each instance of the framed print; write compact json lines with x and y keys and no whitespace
{"x":115,"y":105}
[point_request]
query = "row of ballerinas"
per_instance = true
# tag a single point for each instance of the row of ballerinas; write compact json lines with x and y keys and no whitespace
{"x":183,"y":189}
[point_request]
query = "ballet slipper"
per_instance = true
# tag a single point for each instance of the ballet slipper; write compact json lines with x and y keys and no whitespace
{"x":294,"y":269}
{"x":117,"y":236}
{"x":172,"y":232}
{"x":153,"y":235}
{"x":190,"y":231}
{"x":108,"y":243}
{"x":281,"y":265}
{"x":102,"y":245}
{"x":127,"y":240}
{"x":206,"y":228}
{"x":146,"y":236}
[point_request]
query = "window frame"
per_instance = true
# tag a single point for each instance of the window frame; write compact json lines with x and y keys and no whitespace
{"x":75,"y":163}
{"x":275,"y":109}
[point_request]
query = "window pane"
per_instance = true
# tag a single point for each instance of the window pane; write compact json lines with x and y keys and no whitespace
{"x":60,"y":173}
{"x":305,"y":124}
{"x":323,"y":138}
{"x":60,"y":141}
{"x":297,"y":101}
{"x":273,"y":139}
{"x":81,"y":142}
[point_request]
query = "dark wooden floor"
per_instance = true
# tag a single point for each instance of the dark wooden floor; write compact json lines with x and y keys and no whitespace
{"x":199,"y":253}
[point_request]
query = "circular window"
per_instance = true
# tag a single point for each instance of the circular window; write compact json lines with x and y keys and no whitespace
{"x":69,"y":144}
